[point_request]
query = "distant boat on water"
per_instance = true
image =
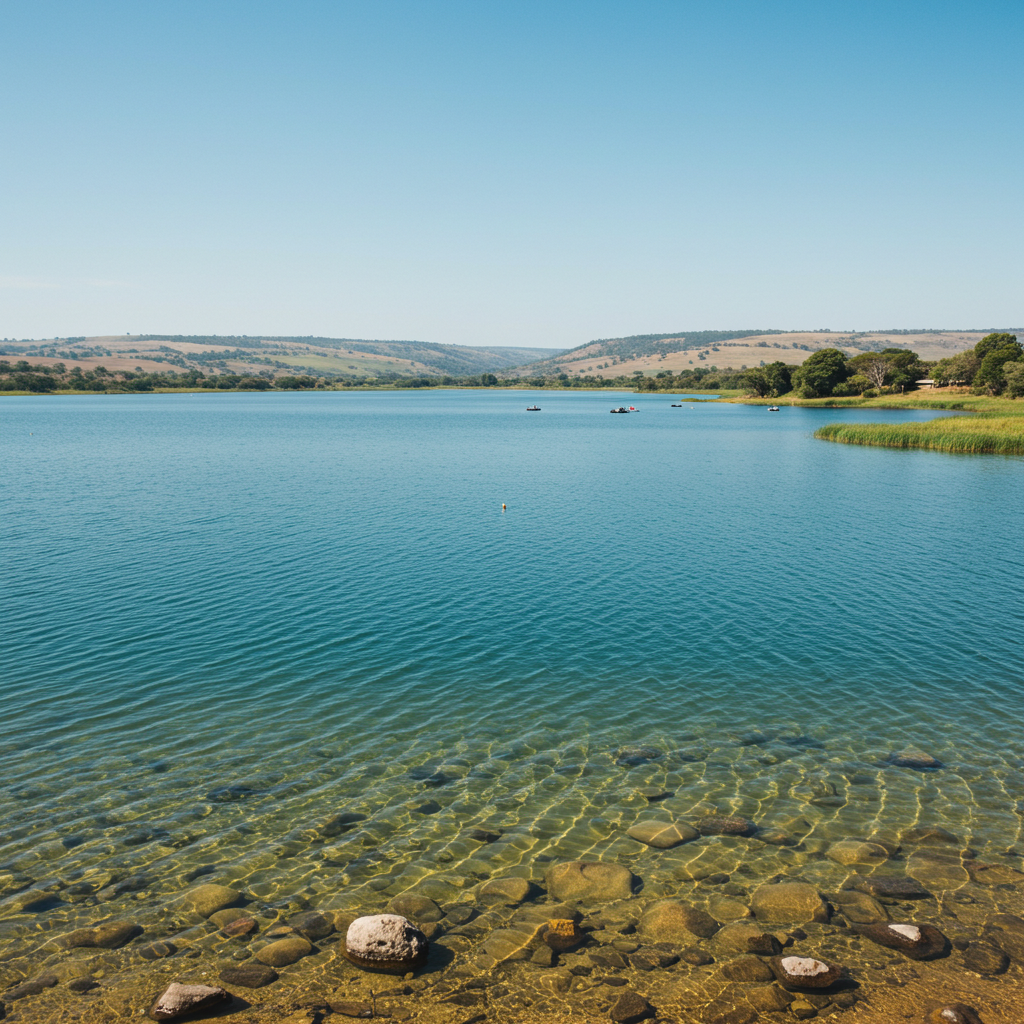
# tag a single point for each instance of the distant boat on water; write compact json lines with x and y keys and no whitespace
{"x":773,"y":408}
{"x":533,"y":408}
{"x":620,"y":409}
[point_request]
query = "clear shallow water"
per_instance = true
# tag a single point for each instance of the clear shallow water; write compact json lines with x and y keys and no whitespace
{"x":310,"y":596}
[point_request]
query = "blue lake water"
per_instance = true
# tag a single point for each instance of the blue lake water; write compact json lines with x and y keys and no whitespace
{"x":226,"y":617}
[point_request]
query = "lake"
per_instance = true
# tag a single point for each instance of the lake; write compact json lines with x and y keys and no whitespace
{"x":229,"y":619}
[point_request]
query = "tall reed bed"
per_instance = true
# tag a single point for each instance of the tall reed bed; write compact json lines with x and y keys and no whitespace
{"x":997,"y":435}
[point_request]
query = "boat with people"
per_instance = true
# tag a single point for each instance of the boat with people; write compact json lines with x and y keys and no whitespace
{"x":620,"y":409}
{"x":773,"y":408}
{"x":674,"y":406}
{"x":533,"y":408}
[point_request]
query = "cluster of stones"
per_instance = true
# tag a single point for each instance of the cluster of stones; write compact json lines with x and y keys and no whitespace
{"x":762,"y":949}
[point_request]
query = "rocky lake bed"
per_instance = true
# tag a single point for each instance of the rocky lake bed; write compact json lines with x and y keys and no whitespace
{"x":708,"y":916}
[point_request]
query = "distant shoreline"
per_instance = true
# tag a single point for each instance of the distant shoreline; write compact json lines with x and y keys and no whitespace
{"x":712,"y":395}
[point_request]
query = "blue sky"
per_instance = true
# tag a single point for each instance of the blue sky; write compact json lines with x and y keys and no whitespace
{"x":536,"y":173}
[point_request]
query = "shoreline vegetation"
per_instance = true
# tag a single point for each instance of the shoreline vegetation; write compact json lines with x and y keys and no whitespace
{"x":987,"y":382}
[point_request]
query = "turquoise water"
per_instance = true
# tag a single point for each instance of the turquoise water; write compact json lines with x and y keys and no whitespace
{"x":227,"y":617}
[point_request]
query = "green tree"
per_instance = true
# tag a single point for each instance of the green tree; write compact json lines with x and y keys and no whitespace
{"x":40,"y":383}
{"x":780,"y":376}
{"x":820,"y":373}
{"x":1013,"y":374}
{"x":958,"y":369}
{"x":990,"y":375}
{"x":758,"y":382}
{"x":993,"y":341}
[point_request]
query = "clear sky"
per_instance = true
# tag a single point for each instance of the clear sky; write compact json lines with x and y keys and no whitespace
{"x":491,"y":172}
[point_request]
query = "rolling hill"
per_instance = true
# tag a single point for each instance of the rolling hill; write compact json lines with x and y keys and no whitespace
{"x":681,"y":350}
{"x":242,"y":354}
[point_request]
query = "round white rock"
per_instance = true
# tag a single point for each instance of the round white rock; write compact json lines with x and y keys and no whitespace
{"x":387,"y":938}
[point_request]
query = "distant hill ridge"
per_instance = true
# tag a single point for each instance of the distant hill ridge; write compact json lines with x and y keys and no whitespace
{"x":458,"y":359}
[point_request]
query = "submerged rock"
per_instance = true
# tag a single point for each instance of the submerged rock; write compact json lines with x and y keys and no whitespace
{"x":183,"y":1000}
{"x":630,"y":1008}
{"x":768,"y":998}
{"x":662,"y":835}
{"x":724,"y":908}
{"x":889,"y":887}
{"x":386,"y":942}
{"x":344,"y":821}
{"x":914,"y":758}
{"x":589,"y":880}
{"x":953,"y":1013}
{"x":312,"y":924}
{"x":919,"y":942}
{"x":985,"y":959}
{"x":651,"y":958}
{"x":110,"y":935}
{"x":205,"y":900}
{"x":655,"y":793}
{"x":929,"y":834}
{"x":483,"y":835}
{"x":510,"y":891}
{"x":562,"y":934}
{"x":82,"y":985}
{"x":284,"y":951}
{"x":1007,"y":932}
{"x":348,"y":1008}
{"x":249,"y":975}
{"x":745,"y":969}
{"x":747,"y":937}
{"x":675,"y":921}
{"x":857,"y":851}
{"x":859,"y":907}
{"x":788,"y":903}
{"x":31,"y":988}
{"x":421,"y":909}
{"x":796,"y":972}
{"x":722,"y":825}
{"x":240,"y":927}
{"x":993,"y":874}
{"x":631,"y":757}
{"x":158,"y":950}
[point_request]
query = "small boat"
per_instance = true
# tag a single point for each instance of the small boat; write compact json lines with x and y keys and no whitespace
{"x":676,"y":406}
{"x":773,"y":408}
{"x":533,"y":408}
{"x":620,"y":409}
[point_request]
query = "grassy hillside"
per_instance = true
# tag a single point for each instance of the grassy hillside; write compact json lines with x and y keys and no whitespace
{"x":734,"y":350}
{"x":240,"y":354}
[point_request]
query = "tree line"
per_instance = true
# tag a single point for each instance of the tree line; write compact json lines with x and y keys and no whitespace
{"x":994,"y":366}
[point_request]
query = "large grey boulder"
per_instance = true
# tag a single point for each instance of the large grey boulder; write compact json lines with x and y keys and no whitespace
{"x":182,"y":1000}
{"x":386,"y":942}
